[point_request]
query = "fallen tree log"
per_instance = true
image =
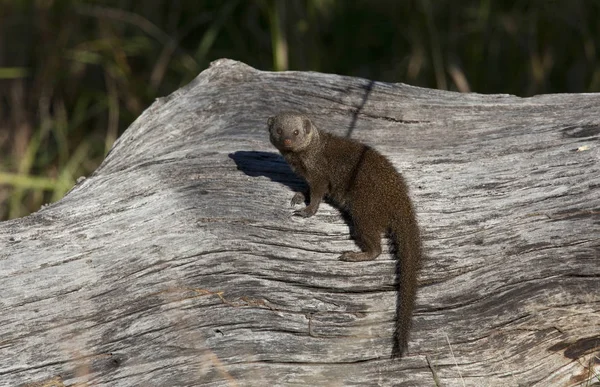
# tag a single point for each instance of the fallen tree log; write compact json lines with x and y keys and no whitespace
{"x":177,"y":262}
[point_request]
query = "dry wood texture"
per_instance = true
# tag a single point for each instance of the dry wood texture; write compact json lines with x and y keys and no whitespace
{"x":178,"y":262}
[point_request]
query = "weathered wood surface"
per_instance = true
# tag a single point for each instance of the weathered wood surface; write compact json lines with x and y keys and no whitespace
{"x":177,"y":262}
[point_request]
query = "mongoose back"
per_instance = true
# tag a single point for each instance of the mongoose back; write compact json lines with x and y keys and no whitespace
{"x":366,"y":185}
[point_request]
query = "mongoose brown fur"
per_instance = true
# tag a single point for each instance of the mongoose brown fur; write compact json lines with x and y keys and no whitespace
{"x":366,"y":185}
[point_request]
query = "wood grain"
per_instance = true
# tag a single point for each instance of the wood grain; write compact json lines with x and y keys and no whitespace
{"x":177,"y":262}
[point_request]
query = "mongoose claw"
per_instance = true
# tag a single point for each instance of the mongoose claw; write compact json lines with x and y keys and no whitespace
{"x":305,"y":212}
{"x":349,"y":256}
{"x":355,"y":256}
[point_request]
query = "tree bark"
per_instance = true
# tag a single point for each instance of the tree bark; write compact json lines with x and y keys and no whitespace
{"x":178,"y":263}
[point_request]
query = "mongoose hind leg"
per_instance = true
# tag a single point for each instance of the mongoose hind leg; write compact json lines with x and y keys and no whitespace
{"x":368,"y":238}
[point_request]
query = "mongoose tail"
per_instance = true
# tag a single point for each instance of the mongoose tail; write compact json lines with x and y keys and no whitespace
{"x":407,"y":242}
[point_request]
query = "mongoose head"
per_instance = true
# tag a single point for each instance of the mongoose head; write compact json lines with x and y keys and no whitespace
{"x":291,"y":132}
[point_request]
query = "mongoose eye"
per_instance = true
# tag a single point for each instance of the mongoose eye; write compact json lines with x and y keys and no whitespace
{"x":278,"y":130}
{"x":296,"y":132}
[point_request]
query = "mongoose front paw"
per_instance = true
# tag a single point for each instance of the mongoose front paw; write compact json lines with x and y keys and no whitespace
{"x":306,"y":212}
{"x":297,"y":199}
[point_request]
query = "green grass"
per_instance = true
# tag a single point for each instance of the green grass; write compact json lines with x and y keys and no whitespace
{"x":74,"y":74}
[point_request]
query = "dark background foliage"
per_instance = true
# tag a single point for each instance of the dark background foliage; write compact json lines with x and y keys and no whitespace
{"x":75,"y":74}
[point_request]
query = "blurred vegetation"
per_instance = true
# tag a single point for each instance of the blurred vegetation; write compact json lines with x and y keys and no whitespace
{"x":74,"y":74}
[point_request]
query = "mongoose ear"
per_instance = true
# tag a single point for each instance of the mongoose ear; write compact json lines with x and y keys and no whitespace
{"x":270,"y":121}
{"x":307,"y":125}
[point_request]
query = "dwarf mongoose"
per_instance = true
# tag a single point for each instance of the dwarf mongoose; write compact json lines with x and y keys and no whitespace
{"x":365,"y":184}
